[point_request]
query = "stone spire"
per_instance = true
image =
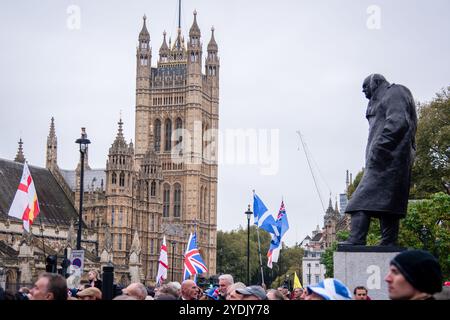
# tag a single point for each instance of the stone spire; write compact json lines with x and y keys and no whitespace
{"x":179,"y":41}
{"x":164,"y":51}
{"x":336,"y":210}
{"x":52,"y":147}
{"x":164,"y":47}
{"x":144,"y":35}
{"x":120,"y":130}
{"x":212,"y":45}
{"x":330,"y":208}
{"x":119,"y":143}
{"x":19,"y":156}
{"x":195,"y":30}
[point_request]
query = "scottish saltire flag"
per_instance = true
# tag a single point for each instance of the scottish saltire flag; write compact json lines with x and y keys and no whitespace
{"x":25,"y":205}
{"x":282,"y":226}
{"x":163,"y":263}
{"x":193,"y":262}
{"x":263,"y":218}
{"x":331,"y":289}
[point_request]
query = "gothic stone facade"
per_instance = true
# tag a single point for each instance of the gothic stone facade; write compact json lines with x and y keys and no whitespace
{"x":165,"y":184}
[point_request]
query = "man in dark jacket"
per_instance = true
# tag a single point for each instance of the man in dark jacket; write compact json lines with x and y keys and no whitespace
{"x":384,"y":188}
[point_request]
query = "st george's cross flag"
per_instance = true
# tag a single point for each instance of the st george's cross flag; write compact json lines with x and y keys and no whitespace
{"x":163,"y":263}
{"x":25,"y":205}
{"x":193,"y":262}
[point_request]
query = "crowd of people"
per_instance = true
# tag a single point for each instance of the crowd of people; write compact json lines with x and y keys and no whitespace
{"x":413,"y":275}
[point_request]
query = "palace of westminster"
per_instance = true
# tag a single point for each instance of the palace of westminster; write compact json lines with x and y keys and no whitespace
{"x":144,"y":192}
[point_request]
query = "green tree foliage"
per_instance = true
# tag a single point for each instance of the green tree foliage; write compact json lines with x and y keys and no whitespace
{"x":427,"y":226}
{"x":327,"y":260}
{"x":433,"y":147}
{"x":232,"y":257}
{"x":289,"y":262}
{"x":232,"y":253}
{"x":354,"y":184}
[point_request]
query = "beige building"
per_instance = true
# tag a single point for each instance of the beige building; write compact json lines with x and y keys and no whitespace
{"x":165,"y":184}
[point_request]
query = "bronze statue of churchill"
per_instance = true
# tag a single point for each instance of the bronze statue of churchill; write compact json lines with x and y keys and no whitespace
{"x":384,"y":188}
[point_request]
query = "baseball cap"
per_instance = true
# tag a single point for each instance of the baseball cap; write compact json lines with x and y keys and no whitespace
{"x":213,"y":293}
{"x":253,"y":291}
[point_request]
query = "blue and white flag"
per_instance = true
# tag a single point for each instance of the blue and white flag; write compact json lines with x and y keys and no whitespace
{"x":282,"y":226}
{"x":263,"y":218}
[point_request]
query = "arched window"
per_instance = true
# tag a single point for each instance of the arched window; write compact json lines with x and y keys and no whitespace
{"x":179,"y":136}
{"x":204,"y":139}
{"x":157,"y":135}
{"x":120,"y":216}
{"x":201,"y":203}
{"x":122,"y":179}
{"x":114,"y":178}
{"x":205,"y":204}
{"x":153,"y":189}
{"x":112,"y":217}
{"x":177,"y":201}
{"x":168,"y":135}
{"x":166,"y":200}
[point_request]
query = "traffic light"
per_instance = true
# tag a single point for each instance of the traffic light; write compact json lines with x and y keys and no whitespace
{"x":51,"y":263}
{"x":64,"y":265}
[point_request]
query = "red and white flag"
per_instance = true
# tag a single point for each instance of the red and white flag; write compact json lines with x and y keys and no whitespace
{"x":25,"y":205}
{"x":163,"y":264}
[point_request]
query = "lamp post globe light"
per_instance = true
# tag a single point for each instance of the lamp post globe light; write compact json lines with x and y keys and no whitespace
{"x":83,"y":142}
{"x":249,"y":214}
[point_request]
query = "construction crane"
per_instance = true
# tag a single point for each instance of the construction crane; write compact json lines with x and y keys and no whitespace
{"x":309,"y":158}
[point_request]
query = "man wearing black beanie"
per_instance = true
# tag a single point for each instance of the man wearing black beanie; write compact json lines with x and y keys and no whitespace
{"x":414,"y":275}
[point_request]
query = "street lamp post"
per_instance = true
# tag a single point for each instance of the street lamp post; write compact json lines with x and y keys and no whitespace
{"x":424,"y":237}
{"x":248,"y":213}
{"x":83,"y":142}
{"x":309,"y":273}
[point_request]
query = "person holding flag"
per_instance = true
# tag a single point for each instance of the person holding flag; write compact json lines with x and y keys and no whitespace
{"x":193,"y":262}
{"x":163,"y":264}
{"x":25,"y":205}
{"x":282,"y":226}
{"x":297,"y":291}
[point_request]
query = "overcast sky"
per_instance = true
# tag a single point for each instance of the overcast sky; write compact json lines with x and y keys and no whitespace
{"x":285,"y":65}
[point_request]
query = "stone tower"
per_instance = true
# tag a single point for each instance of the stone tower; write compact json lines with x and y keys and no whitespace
{"x":119,"y":196}
{"x":177,"y":118}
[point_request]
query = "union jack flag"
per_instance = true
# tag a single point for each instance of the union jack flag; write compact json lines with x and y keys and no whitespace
{"x":193,"y":262}
{"x":282,"y":211}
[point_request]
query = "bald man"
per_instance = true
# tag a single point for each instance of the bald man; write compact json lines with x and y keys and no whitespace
{"x":136,"y":290}
{"x":189,"y":290}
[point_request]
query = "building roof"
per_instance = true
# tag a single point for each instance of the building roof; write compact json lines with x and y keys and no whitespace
{"x":317,"y":237}
{"x":7,"y":251}
{"x":93,"y":179}
{"x":56,"y":208}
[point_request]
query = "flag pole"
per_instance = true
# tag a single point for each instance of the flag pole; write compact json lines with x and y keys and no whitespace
{"x":260,"y":259}
{"x":259,"y":250}
{"x":42,"y":235}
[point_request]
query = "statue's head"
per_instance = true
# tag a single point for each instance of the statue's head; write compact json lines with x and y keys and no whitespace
{"x":372,"y":83}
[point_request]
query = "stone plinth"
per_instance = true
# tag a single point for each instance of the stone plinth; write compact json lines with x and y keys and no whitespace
{"x":365,"y":266}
